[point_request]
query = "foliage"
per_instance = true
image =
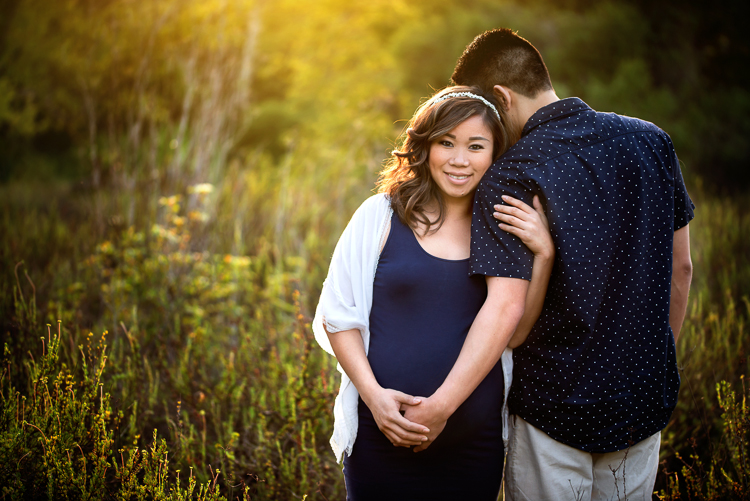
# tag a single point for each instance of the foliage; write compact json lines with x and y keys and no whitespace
{"x":177,"y":173}
{"x":183,"y":88}
{"x":58,"y":442}
{"x":726,"y":475}
{"x":213,"y":351}
{"x":210,"y":350}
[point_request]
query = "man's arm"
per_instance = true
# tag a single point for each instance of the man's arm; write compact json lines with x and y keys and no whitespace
{"x":485,"y":342}
{"x":682,"y":274}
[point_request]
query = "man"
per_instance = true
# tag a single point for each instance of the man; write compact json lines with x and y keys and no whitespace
{"x":596,"y":380}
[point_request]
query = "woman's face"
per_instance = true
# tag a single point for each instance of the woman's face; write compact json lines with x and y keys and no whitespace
{"x":459,"y":159}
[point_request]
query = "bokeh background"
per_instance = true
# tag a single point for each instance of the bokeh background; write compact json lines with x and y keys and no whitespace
{"x":174,"y":175}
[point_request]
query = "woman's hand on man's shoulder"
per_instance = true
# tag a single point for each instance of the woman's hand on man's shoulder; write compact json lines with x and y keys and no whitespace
{"x":530,"y":224}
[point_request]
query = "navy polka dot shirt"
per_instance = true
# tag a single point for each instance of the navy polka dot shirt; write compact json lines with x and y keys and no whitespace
{"x":598,"y":371}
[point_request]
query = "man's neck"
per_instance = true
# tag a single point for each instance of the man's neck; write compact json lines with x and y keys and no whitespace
{"x":526,"y":107}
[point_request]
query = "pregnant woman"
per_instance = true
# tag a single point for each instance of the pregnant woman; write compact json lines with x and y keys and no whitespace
{"x":398,"y":303}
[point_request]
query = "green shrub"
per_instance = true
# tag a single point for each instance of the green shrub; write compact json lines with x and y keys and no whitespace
{"x":725,"y":473}
{"x":57,"y":441}
{"x":209,"y":353}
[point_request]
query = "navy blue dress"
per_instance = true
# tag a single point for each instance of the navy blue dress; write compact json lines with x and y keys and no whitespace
{"x":423,"y":307}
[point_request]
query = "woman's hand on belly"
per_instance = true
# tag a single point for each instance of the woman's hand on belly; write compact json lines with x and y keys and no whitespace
{"x":385,"y":405}
{"x":432,"y":414}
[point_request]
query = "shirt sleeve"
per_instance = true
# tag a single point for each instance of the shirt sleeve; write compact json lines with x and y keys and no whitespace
{"x":683,"y":205}
{"x":495,"y":252}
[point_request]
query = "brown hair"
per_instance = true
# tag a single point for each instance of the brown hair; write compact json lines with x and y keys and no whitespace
{"x":406,"y":177}
{"x":501,"y":57}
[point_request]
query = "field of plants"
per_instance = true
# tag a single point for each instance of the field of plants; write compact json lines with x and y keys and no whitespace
{"x":174,"y":176}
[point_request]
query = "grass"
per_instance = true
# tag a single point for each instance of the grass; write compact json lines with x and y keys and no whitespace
{"x":150,"y":361}
{"x":204,"y":368}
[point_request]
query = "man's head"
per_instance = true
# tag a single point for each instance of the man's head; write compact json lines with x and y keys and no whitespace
{"x":508,"y":67}
{"x":501,"y":57}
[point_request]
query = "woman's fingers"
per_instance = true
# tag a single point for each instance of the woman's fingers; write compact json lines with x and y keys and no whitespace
{"x":406,"y":400}
{"x":520,"y":214}
{"x":514,"y":224}
{"x":515,"y":212}
{"x":516,"y":203}
{"x":403,"y":398}
{"x":399,"y":438}
{"x":537,"y":204}
{"x":511,"y":220}
{"x":410,"y":426}
{"x":399,"y":430}
{"x":513,"y":230}
{"x":528,"y":223}
{"x":510,"y":211}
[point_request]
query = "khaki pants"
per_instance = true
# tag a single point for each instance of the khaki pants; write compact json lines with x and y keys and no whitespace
{"x":540,"y":468}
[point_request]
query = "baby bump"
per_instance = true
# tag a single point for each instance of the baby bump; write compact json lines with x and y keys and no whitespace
{"x":419,"y":368}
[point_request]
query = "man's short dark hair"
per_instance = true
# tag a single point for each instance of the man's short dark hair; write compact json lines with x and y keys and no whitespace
{"x":501,"y":57}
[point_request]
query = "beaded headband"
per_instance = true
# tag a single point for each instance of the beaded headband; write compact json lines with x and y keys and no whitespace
{"x":473,"y":96}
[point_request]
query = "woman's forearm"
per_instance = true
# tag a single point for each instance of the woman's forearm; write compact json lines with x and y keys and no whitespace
{"x":534,"y":298}
{"x":384,"y":403}
{"x":483,"y":346}
{"x":350,"y":353}
{"x":531,"y":226}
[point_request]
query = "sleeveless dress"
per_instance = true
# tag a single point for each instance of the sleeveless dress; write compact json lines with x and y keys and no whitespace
{"x":422,"y":309}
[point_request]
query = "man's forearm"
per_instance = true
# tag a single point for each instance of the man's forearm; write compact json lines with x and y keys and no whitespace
{"x":678,"y":300}
{"x":682,"y":274}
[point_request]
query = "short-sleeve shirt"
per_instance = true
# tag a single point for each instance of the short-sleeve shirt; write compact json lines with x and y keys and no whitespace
{"x":598,"y":370}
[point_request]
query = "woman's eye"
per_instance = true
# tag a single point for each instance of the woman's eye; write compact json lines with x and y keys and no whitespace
{"x":446,"y":143}
{"x":476,"y":147}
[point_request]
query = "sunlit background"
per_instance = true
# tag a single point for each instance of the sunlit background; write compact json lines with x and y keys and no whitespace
{"x":176,"y":173}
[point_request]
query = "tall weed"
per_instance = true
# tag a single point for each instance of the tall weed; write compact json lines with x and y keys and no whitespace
{"x":208,"y":354}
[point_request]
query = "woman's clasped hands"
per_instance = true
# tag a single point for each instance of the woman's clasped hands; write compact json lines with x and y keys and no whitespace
{"x":386,"y":406}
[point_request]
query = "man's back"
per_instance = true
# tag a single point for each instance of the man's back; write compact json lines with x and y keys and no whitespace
{"x":598,"y":371}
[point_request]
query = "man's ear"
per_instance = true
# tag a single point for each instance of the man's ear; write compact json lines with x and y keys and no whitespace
{"x":503,"y":96}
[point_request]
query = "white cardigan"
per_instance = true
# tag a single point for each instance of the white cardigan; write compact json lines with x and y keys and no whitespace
{"x":346,"y":301}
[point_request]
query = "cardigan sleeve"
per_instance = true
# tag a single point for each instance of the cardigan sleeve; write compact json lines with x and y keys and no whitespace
{"x":345,"y":303}
{"x":346,"y":297}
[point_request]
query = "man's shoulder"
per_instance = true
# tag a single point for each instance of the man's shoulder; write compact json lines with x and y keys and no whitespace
{"x":623,"y":124}
{"x":627,"y":122}
{"x":575,"y":132}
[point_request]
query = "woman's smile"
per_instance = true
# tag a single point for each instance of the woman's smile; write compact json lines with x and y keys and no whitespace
{"x":459,"y":159}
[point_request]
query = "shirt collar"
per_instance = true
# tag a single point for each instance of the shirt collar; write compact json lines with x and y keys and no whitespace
{"x":552,"y":111}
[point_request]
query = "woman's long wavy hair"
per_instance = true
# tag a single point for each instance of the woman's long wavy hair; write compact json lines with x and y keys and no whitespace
{"x":406,"y":177}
